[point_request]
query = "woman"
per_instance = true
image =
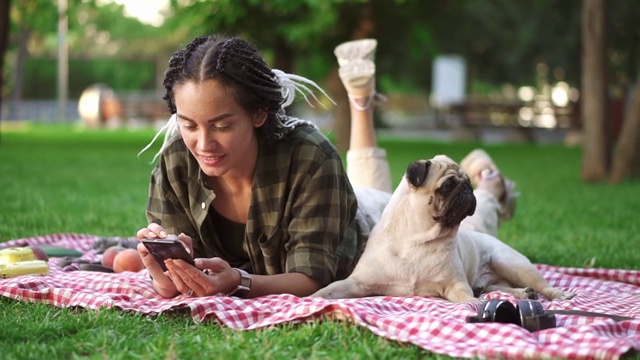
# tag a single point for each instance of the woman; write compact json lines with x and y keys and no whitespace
{"x":260,"y":199}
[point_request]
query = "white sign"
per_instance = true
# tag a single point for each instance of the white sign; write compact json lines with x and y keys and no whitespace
{"x":449,"y":80}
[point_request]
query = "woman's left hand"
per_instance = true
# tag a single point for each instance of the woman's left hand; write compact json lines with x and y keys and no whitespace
{"x":220,"y":277}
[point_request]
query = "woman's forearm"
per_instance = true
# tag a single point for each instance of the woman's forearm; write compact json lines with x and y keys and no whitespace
{"x":291,"y":283}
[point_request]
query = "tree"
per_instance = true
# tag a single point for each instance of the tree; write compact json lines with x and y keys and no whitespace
{"x":95,"y":33}
{"x":37,"y":17}
{"x":594,"y":98}
{"x":626,"y":160}
{"x":5,"y":7}
{"x":598,"y":142}
{"x":626,"y":155}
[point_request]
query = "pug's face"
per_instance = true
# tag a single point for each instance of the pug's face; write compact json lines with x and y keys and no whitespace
{"x":443,"y":189}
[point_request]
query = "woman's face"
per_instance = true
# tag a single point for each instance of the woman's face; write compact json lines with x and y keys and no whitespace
{"x":216,"y":129}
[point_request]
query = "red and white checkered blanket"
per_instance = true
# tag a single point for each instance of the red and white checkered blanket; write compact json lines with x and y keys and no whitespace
{"x":431,"y":323}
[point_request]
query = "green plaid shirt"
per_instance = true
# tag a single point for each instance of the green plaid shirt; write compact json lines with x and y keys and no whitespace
{"x":301,"y":217}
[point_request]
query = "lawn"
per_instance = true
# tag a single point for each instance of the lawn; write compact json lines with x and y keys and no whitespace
{"x":67,"y":179}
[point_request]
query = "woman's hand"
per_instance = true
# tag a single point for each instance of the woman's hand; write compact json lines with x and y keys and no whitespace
{"x":155,"y":231}
{"x":218,"y":277}
{"x":161,"y":280}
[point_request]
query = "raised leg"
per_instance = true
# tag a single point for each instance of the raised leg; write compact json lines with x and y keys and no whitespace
{"x":495,"y":193}
{"x":367,"y":164}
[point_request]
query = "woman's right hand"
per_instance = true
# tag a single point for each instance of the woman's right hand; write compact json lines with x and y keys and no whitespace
{"x":161,"y":282}
{"x":152,"y":231}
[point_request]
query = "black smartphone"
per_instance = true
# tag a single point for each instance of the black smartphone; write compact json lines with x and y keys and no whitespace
{"x":162,"y":249}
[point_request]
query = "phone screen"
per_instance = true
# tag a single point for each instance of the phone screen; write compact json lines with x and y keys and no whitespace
{"x":162,"y":249}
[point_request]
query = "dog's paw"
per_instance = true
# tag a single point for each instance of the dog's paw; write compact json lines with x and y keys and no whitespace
{"x":475,"y":301}
{"x":528,"y":293}
{"x":567,"y":295}
{"x":560,"y":295}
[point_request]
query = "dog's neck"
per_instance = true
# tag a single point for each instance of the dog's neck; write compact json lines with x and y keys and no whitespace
{"x":400,"y":222}
{"x":439,"y":242}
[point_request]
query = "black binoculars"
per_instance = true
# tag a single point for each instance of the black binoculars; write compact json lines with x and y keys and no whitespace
{"x":528,"y":314}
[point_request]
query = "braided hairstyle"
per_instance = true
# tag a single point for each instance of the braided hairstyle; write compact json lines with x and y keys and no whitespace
{"x":236,"y":64}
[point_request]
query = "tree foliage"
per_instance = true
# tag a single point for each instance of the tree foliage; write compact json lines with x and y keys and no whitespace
{"x":96,"y":34}
{"x":501,"y":40}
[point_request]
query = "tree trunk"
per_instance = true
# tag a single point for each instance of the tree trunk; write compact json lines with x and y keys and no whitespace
{"x":627,"y":149}
{"x":634,"y":171}
{"x":22,"y":54}
{"x":341,"y":112}
{"x":5,"y":7}
{"x":284,"y":56}
{"x":594,"y":98}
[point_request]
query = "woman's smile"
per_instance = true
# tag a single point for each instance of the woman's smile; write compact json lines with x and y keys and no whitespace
{"x":211,"y":160}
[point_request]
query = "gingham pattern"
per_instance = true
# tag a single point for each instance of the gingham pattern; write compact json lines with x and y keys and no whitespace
{"x":431,"y":323}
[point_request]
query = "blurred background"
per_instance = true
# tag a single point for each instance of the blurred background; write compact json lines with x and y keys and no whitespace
{"x":487,"y":70}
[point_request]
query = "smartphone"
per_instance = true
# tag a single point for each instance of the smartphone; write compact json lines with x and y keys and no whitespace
{"x":162,"y":249}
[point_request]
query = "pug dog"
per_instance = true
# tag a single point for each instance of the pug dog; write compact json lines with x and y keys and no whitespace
{"x":417,"y":247}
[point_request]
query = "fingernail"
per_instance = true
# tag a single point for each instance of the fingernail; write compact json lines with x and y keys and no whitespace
{"x":163,"y":234}
{"x":151,"y":234}
{"x":177,"y":263}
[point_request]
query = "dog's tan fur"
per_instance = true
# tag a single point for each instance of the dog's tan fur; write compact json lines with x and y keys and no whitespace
{"x":417,"y":247}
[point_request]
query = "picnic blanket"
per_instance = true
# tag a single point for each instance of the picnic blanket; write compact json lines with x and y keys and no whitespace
{"x":432,"y":323}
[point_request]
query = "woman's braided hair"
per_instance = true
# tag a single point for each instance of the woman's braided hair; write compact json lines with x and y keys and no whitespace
{"x":236,"y":64}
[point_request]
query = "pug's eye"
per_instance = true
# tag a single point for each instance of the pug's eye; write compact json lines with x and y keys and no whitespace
{"x":447,"y":186}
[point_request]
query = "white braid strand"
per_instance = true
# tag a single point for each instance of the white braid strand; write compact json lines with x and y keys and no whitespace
{"x":292,"y":83}
{"x":169,"y":129}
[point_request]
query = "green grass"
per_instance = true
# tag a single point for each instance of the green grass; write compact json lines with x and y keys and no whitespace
{"x":63,"y":179}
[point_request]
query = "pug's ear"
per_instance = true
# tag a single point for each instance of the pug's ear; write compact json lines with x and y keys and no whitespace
{"x":417,"y":172}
